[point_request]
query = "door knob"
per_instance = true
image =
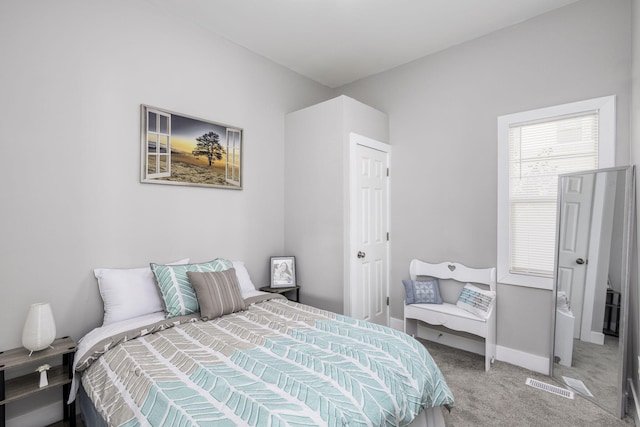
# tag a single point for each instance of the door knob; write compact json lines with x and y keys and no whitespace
{"x":580,"y":261}
{"x":361,"y":254}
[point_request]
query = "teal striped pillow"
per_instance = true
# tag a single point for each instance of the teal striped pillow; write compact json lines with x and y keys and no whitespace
{"x":177,"y":293}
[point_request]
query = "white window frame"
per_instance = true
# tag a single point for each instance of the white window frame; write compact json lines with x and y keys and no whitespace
{"x":234,"y":151}
{"x":157,"y":153}
{"x":606,"y":107}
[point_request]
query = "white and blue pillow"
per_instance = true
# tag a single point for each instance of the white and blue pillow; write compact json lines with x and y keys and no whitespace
{"x":477,"y":301}
{"x":426,"y":291}
{"x":177,"y":293}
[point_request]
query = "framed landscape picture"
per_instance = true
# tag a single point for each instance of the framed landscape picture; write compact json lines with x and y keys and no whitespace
{"x":184,"y":150}
{"x":283,"y":271}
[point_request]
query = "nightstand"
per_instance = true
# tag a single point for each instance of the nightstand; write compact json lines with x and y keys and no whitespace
{"x":283,"y":291}
{"x":26,"y":385}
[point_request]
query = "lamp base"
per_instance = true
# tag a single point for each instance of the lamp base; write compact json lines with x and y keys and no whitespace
{"x":31,"y":352}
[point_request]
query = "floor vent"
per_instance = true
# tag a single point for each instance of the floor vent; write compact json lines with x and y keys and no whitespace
{"x":550,"y":388}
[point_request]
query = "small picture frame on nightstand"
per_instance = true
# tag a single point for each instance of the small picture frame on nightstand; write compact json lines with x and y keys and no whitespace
{"x":283,"y":271}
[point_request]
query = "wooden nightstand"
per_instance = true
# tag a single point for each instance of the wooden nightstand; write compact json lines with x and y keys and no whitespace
{"x":283,"y":291}
{"x":26,"y":385}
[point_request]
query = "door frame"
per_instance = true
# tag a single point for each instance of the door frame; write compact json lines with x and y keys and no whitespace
{"x":350,"y":237}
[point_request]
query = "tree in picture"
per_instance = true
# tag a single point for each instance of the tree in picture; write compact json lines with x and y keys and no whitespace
{"x":209,"y":145}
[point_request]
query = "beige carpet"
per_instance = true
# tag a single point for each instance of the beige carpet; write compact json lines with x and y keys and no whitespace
{"x":501,"y":398}
{"x":596,"y":366}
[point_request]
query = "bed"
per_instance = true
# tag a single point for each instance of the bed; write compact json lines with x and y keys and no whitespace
{"x":274,"y":362}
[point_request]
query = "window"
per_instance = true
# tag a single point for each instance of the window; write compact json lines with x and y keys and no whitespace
{"x":158,"y":144}
{"x":534,"y":147}
{"x":232,"y":168}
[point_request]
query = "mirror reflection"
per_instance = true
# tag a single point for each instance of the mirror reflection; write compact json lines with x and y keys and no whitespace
{"x":591,"y":284}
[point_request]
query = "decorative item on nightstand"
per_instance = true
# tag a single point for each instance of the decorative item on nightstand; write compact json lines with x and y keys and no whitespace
{"x":39,"y":329}
{"x":283,"y":271}
{"x":44,"y":381}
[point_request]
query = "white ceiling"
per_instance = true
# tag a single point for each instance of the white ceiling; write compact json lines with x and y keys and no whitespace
{"x":335,"y":42}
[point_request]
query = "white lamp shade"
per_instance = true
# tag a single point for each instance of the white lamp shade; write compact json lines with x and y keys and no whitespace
{"x":40,"y":328}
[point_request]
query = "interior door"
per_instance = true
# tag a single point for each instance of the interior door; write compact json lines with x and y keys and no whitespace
{"x":600,"y":242}
{"x":573,"y":243}
{"x":369,"y":227}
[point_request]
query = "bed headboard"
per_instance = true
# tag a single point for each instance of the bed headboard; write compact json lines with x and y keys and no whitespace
{"x":454,"y":271}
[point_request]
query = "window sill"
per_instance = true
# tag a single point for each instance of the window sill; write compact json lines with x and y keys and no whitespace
{"x":535,"y":282}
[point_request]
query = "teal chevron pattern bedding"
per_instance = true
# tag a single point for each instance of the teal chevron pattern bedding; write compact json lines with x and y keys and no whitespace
{"x":279,"y":363}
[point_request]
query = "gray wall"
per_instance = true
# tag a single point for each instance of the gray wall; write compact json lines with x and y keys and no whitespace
{"x":443,"y":111}
{"x":73,"y":76}
{"x":313,"y":196}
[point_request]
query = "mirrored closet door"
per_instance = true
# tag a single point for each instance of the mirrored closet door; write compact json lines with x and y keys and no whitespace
{"x":591,"y":284}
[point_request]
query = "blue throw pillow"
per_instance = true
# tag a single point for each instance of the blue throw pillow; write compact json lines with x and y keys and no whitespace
{"x":426,"y":291}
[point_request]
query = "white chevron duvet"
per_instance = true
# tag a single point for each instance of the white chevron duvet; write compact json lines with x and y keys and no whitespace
{"x":279,"y":363}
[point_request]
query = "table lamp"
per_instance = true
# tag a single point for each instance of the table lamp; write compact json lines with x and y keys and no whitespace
{"x":39,"y":329}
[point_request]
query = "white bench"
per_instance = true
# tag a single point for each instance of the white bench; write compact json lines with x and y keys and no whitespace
{"x":448,"y":314}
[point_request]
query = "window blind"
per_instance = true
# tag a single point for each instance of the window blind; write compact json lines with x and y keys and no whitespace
{"x":539,"y":152}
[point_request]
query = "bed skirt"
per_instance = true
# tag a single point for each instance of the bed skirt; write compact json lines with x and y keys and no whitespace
{"x":88,"y":411}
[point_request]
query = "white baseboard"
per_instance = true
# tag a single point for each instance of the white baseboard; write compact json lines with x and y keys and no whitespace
{"x":524,"y":360}
{"x":42,"y":416}
{"x":397,"y":324}
{"x":596,"y":338}
{"x":504,"y":354}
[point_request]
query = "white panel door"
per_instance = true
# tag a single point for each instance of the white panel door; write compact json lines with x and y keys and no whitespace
{"x":573,"y":242}
{"x":369,"y":249}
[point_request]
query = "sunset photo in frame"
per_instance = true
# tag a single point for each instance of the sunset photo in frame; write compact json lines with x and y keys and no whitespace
{"x":183,"y":150}
{"x":283,"y":271}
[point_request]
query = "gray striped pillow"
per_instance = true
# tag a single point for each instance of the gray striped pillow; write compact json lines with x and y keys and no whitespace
{"x":218,"y":293}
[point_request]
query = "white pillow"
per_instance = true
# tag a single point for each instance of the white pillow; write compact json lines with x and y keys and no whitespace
{"x":246,"y":285}
{"x":129,"y":293}
{"x":477,"y":301}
